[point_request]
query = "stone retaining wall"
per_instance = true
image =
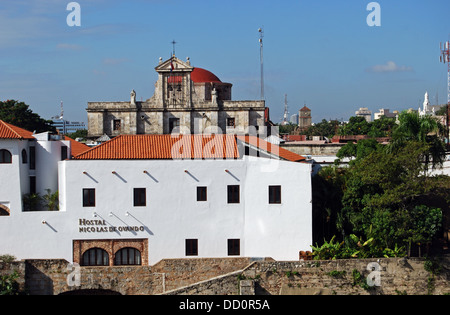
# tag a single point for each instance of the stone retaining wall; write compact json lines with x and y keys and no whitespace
{"x":232,"y":276}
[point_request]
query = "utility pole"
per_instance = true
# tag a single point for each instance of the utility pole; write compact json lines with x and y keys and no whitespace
{"x":445,"y":58}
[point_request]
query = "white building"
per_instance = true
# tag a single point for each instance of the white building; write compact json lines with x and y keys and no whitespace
{"x":364,"y":112}
{"x":386,"y":113}
{"x":138,"y":199}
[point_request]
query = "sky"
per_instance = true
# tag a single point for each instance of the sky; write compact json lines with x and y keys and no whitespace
{"x":322,"y":53}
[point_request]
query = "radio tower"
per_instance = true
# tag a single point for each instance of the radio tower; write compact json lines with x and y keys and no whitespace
{"x":445,"y":58}
{"x":285,"y":117}
{"x":261,"y":36}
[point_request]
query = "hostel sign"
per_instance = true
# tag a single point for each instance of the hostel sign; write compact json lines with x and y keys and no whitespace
{"x":101,"y":226}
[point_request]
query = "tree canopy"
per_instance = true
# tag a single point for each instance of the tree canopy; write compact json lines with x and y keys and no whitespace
{"x":386,"y":194}
{"x":19,"y":114}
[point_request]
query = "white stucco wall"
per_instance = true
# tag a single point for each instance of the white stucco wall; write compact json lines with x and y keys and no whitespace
{"x":172,"y":213}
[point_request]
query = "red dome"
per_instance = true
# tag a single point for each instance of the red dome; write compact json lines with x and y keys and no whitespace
{"x":199,"y":75}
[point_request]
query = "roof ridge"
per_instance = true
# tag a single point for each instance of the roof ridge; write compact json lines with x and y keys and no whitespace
{"x":14,"y":130}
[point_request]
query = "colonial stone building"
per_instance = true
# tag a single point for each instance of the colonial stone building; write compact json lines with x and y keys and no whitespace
{"x":304,"y":118}
{"x":187,"y":99}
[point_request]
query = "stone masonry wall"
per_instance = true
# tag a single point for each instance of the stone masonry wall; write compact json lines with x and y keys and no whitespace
{"x":232,"y":276}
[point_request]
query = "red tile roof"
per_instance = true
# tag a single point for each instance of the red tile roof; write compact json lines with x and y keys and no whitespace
{"x":76,"y":147}
{"x":165,"y":147}
{"x":272,"y":148}
{"x":8,"y":131}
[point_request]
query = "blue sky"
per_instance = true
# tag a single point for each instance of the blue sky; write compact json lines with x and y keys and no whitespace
{"x":321,"y":52}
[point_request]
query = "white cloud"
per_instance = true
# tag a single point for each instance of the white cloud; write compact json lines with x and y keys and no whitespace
{"x":390,"y":66}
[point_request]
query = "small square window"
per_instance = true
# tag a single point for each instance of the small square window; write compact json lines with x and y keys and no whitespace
{"x":274,"y":194}
{"x":88,"y":197}
{"x":191,"y":247}
{"x":202,"y":194}
{"x":116,"y":125}
{"x":231,"y":122}
{"x":234,"y":247}
{"x":233,"y":194}
{"x":139,"y":197}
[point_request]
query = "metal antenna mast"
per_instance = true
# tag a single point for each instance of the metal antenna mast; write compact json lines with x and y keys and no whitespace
{"x":445,"y":58}
{"x":261,"y":36}
{"x":285,"y":119}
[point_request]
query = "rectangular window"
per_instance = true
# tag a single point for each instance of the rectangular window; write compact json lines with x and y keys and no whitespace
{"x":191,"y":247}
{"x":116,"y":125}
{"x":32,"y":185}
{"x":88,"y":197}
{"x":231,"y":122}
{"x":63,"y":153}
{"x":201,"y":194}
{"x":234,"y":247}
{"x":274,"y":194}
{"x":233,"y":194}
{"x":32,"y":158}
{"x":140,"y":197}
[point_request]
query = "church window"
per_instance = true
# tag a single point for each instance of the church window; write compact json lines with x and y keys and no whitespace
{"x":5,"y":157}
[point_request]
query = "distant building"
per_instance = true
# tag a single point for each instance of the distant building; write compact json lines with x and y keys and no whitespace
{"x":304,"y":118}
{"x":294,"y":119}
{"x":385,"y":112}
{"x":364,"y":112}
{"x":64,"y":126}
{"x":186,"y":100}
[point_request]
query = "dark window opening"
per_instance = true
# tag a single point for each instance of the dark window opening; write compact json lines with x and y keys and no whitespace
{"x":140,"y":197}
{"x":5,"y":157}
{"x":274,"y":194}
{"x":234,"y":247}
{"x":95,"y":257}
{"x":201,"y":194}
{"x":24,"y":156}
{"x":191,"y":247}
{"x":233,"y":194}
{"x":88,"y":197}
{"x":128,"y":256}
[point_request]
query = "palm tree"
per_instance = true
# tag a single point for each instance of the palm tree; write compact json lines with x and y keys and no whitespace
{"x":424,"y":129}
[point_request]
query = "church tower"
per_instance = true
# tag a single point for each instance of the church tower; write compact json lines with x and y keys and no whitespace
{"x":304,"y":118}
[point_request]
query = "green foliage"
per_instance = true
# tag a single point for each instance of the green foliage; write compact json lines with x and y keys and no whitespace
{"x":9,"y":285}
{"x":82,"y":133}
{"x":7,"y":258}
{"x":324,"y":129}
{"x":354,"y":247}
{"x":36,"y":202}
{"x":51,"y":200}
{"x":356,"y":125}
{"x":31,"y":202}
{"x":18,"y":114}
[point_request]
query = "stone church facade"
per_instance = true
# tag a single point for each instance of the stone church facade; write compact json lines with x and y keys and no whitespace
{"x":186,"y":100}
